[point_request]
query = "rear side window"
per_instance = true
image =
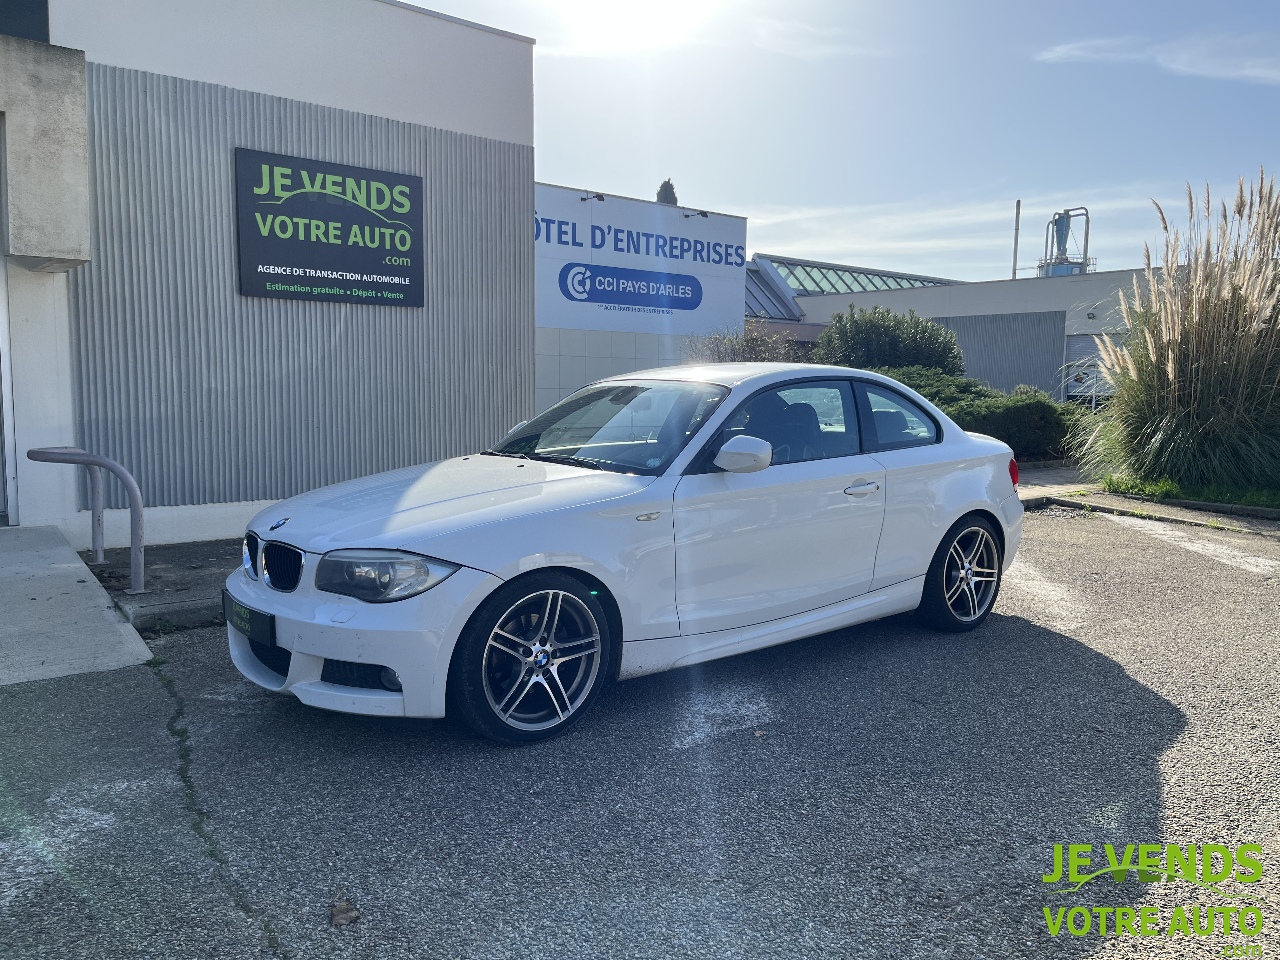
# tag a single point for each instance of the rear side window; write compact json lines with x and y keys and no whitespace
{"x":892,"y":422}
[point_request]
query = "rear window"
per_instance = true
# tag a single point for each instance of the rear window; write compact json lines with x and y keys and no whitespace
{"x":891,"y":421}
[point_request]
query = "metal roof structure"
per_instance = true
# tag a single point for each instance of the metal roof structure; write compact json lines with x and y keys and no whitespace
{"x":773,"y":283}
{"x":765,"y":299}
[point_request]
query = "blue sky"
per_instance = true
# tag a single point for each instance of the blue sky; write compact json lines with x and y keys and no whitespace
{"x":899,"y":135}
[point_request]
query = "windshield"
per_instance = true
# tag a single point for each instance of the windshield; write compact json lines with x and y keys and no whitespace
{"x":636,"y":426}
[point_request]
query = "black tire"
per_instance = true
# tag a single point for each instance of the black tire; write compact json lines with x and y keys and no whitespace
{"x":964,"y":578}
{"x":510,"y":682}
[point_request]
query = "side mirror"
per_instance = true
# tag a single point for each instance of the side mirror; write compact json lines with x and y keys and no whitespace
{"x":743,"y":454}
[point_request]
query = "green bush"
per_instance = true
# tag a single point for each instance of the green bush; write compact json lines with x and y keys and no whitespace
{"x":1029,"y":420}
{"x":881,"y":338}
{"x":944,"y":389}
{"x":1034,"y":426}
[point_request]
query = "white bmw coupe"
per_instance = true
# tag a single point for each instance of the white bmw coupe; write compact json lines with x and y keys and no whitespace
{"x":648,"y":521}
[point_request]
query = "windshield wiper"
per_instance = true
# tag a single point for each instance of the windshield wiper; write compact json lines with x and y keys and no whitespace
{"x":571,"y":461}
{"x":549,"y":458}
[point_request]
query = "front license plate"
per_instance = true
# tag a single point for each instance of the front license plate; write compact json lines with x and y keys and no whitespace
{"x":257,"y":626}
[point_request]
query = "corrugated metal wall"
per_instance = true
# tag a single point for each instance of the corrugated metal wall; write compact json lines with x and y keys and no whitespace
{"x":1083,"y":346}
{"x":208,"y":396}
{"x":1008,"y":349}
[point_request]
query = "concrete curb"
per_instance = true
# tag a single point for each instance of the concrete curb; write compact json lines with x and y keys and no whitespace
{"x":1235,"y":509}
{"x":1032,"y":503}
{"x":169,"y":614}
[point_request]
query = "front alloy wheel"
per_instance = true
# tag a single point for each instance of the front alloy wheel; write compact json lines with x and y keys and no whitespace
{"x":532,"y":659}
{"x":964,"y":578}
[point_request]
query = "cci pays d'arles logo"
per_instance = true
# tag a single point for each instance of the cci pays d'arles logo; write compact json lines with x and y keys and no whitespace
{"x":1203,"y":868}
{"x":594,"y":283}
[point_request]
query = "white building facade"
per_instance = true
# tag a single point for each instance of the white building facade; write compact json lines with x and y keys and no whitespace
{"x":255,"y":248}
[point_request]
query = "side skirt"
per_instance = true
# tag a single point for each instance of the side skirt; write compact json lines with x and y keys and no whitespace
{"x":640,"y":657}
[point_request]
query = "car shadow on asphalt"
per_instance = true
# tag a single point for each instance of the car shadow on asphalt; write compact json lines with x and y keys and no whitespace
{"x":873,"y":791}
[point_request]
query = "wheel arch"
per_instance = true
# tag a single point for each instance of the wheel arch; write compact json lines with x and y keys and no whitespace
{"x":607,"y":600}
{"x":932,"y":599}
{"x":986,"y":514}
{"x":974,"y":511}
{"x":594,"y":584}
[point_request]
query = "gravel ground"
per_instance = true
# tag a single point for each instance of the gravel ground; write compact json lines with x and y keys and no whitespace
{"x":876,"y":792}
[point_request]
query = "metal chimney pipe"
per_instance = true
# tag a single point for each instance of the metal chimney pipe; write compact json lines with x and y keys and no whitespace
{"x":1017,"y":225}
{"x":1085,"y":253}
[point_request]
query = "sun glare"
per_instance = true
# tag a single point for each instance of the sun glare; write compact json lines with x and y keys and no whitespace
{"x":590,"y":28}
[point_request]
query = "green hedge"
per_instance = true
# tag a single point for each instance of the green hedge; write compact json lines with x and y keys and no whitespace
{"x":1034,"y":426}
{"x":881,"y":338}
{"x":944,"y":389}
{"x":1029,"y":420}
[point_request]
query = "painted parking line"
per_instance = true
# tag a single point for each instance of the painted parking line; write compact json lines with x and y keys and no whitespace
{"x":1208,"y":548}
{"x":1060,"y":607}
{"x":714,"y":713}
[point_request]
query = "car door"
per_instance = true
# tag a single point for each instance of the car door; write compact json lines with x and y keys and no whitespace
{"x":905,"y":439}
{"x":800,"y":534}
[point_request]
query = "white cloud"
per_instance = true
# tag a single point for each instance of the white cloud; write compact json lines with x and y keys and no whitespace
{"x":805,"y":41}
{"x":1246,"y":59}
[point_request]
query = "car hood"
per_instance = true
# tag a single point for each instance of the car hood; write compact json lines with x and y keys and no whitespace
{"x":405,"y":508}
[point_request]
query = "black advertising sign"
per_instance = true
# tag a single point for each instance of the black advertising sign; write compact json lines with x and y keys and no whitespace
{"x":311,"y":230}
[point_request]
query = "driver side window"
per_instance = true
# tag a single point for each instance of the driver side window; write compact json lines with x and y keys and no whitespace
{"x":801,"y":421}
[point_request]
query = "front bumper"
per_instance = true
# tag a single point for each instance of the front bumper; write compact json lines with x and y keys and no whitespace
{"x":414,"y":637}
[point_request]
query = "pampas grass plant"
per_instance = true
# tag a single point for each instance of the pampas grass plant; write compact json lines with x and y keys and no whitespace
{"x":1197,"y":379}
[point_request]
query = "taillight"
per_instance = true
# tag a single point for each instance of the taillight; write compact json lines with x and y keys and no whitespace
{"x":1013,"y":471}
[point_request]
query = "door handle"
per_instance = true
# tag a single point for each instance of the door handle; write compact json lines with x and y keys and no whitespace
{"x":862,"y":489}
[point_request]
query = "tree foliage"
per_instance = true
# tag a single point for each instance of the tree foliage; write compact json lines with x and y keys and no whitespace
{"x":753,"y":343}
{"x":878,"y":337}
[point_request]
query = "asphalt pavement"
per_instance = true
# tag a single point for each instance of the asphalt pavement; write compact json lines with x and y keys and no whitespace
{"x":881,"y":791}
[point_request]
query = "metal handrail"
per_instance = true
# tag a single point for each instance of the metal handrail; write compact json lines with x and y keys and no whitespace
{"x":95,"y":465}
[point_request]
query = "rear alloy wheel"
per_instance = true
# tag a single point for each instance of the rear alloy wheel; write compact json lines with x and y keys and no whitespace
{"x":964,"y":578}
{"x":532,"y":660}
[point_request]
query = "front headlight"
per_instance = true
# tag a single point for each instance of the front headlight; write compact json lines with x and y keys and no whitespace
{"x":379,"y":576}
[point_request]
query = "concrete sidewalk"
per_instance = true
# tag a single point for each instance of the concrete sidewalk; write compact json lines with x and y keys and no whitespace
{"x":57,"y":620}
{"x":1063,"y":486}
{"x":1038,"y":482}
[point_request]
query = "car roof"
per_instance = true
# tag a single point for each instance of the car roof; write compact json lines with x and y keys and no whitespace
{"x":735,"y":374}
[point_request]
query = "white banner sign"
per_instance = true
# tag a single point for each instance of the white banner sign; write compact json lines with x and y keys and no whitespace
{"x":613,"y":263}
